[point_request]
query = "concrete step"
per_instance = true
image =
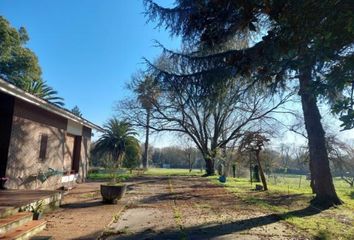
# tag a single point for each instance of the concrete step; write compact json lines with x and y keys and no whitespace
{"x":25,"y":231}
{"x":7,"y":211}
{"x":13,"y":221}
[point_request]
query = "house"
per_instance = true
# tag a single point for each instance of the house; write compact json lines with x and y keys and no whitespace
{"x":42,"y":146}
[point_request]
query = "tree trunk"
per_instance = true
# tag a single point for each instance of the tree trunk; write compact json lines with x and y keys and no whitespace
{"x":264,"y":181}
{"x":234,"y":170}
{"x":312,"y":181}
{"x":190,"y":162}
{"x":320,"y":172}
{"x":146,"y":146}
{"x":209,"y":166}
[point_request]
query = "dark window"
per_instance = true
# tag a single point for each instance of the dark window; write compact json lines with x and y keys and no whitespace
{"x":76,"y":156}
{"x":43,"y":147}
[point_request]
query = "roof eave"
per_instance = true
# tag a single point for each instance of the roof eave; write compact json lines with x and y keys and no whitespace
{"x":25,"y":96}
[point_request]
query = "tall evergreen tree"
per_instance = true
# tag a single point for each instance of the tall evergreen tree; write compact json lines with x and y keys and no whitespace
{"x":309,"y":41}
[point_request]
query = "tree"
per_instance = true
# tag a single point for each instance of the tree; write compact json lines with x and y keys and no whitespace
{"x":254,"y":142}
{"x":76,"y":111}
{"x":42,"y":90}
{"x":308,"y":41}
{"x":341,"y":156}
{"x":115,"y":141}
{"x":173,"y":156}
{"x":190,"y":155}
{"x":285,"y":156}
{"x":213,"y":123}
{"x":19,"y":65}
{"x":147,"y":92}
{"x":271,"y":160}
{"x":132,"y":155}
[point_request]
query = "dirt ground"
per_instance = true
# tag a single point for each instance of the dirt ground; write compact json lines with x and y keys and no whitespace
{"x":192,"y":208}
{"x":82,"y":214}
{"x":163,"y":208}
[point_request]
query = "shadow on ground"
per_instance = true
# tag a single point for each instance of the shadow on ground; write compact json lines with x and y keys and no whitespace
{"x":96,"y":203}
{"x":210,"y":231}
{"x":90,"y":236}
{"x":283,"y":200}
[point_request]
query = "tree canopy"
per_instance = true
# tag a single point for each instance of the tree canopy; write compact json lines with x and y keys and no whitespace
{"x":305,"y":44}
{"x":42,"y":90}
{"x":76,"y":110}
{"x":20,"y":66}
{"x":286,"y":35}
{"x":114,"y":143}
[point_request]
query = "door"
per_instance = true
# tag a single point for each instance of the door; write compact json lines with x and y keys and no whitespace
{"x":77,"y":153}
{"x":6,"y":114}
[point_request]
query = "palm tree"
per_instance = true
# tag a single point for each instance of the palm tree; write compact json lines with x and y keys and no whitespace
{"x":147,"y":92}
{"x":42,"y":90}
{"x":118,"y":136}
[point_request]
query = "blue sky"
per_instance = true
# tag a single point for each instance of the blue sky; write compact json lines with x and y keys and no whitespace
{"x":88,"y":49}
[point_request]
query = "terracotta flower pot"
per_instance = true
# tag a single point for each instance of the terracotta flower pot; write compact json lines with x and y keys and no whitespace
{"x":112,"y":193}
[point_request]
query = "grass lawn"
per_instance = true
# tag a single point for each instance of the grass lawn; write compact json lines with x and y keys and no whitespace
{"x":124,"y":174}
{"x":289,"y":193}
{"x":103,"y":175}
{"x":173,"y":172}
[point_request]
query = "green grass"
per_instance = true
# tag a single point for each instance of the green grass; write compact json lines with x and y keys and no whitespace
{"x":106,"y":176}
{"x":172,"y":172}
{"x":286,"y":193}
{"x":124,"y":174}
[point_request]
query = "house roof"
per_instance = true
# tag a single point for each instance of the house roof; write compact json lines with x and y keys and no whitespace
{"x":12,"y":90}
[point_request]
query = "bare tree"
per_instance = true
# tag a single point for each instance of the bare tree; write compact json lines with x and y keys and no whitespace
{"x":341,"y":156}
{"x":285,"y":156}
{"x":254,"y":142}
{"x":189,"y":150}
{"x":215,"y":121}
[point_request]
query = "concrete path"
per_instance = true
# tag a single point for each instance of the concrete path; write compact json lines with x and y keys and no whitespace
{"x":192,"y":208}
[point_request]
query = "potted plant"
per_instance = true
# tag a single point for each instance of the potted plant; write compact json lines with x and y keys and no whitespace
{"x":36,"y":209}
{"x":112,"y":146}
{"x":114,"y":189}
{"x":112,"y":192}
